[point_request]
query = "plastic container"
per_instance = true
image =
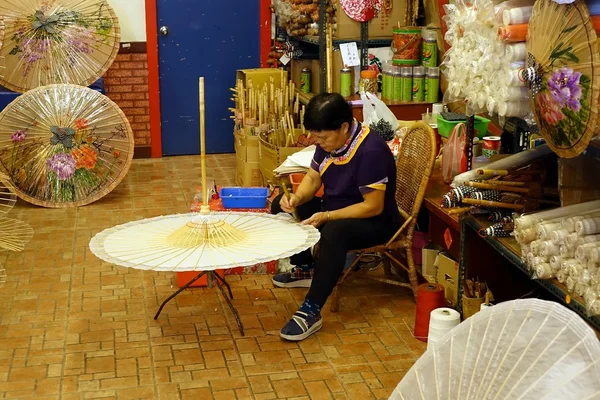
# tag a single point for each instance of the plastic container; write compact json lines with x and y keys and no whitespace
{"x":295,"y":180}
{"x":387,"y":86}
{"x":429,"y":49}
{"x":406,"y":46}
{"x":368,"y":81}
{"x":238,"y":197}
{"x":445,"y":127}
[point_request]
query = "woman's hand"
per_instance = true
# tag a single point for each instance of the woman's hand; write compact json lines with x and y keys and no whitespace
{"x":289,"y":205}
{"x":316,"y":220}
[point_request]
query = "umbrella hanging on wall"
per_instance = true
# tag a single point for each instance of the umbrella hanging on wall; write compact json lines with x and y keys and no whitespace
{"x":64,"y":145}
{"x":563,"y":74}
{"x":57,"y":41}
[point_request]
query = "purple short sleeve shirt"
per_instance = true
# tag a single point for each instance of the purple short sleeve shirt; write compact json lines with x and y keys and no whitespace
{"x":365,"y":163}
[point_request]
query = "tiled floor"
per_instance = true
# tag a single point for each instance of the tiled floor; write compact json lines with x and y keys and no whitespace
{"x":72,"y":327}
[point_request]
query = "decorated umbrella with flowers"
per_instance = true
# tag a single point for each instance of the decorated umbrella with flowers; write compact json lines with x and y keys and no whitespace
{"x":64,"y":145}
{"x":563,"y":74}
{"x":57,"y":41}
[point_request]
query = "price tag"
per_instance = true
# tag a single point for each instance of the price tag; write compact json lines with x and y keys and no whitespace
{"x":350,"y":57}
{"x":448,"y":238}
{"x":284,"y":59}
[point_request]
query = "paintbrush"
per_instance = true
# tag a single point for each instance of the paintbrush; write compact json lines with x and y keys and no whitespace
{"x":287,"y":194}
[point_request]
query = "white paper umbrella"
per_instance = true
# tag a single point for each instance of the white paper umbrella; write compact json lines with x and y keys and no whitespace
{"x":203,"y":242}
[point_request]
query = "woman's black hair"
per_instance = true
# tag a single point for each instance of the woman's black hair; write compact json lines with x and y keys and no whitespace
{"x":327,"y":112}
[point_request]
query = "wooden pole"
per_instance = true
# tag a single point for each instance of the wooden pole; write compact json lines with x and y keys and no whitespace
{"x":205,"y":208}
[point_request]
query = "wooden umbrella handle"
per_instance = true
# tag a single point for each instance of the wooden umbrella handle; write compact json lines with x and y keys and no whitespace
{"x":488,"y":203}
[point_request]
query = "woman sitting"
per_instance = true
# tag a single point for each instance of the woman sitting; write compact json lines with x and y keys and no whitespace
{"x":358,"y":209}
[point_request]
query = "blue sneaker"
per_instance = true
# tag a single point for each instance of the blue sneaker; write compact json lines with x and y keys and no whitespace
{"x":301,"y":326}
{"x":296,"y":278}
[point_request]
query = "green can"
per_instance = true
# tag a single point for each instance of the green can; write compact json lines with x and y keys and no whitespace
{"x":305,"y":80}
{"x":406,"y":76}
{"x":346,"y":82}
{"x":418,"y":89}
{"x":433,"y":85}
{"x":429,"y":49}
{"x":387,"y":82}
{"x":397,"y":85}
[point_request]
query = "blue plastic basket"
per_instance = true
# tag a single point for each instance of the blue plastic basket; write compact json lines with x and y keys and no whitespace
{"x":238,"y":197}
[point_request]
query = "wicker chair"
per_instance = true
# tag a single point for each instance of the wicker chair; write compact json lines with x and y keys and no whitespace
{"x":414,"y":165}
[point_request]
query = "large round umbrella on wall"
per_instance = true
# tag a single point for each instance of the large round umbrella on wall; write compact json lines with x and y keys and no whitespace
{"x":57,"y":41}
{"x":563,"y":74}
{"x":64,"y":145}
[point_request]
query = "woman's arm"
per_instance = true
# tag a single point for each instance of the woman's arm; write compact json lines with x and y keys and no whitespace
{"x":371,"y":206}
{"x":310,"y":185}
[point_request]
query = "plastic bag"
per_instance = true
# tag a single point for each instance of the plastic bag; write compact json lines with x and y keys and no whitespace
{"x":375,"y":110}
{"x":453,"y":154}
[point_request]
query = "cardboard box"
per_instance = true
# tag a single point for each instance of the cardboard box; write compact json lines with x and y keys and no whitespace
{"x":246,"y":146}
{"x":380,"y":27}
{"x":447,"y":276}
{"x":272,"y":156}
{"x":261,"y":76}
{"x":429,"y":255}
{"x":248,"y":173}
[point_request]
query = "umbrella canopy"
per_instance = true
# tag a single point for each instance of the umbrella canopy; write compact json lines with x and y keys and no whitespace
{"x":64,"y":145}
{"x":203,"y":242}
{"x":57,"y":41}
{"x":563,"y":74}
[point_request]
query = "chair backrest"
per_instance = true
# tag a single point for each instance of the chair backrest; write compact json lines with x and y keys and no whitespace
{"x":413,"y":167}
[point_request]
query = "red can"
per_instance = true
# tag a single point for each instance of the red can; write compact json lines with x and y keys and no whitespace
{"x":491,"y":146}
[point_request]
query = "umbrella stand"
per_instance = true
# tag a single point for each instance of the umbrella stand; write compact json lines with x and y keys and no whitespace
{"x":220,"y":282}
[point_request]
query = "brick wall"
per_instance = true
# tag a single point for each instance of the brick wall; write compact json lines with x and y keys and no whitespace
{"x":126,"y":84}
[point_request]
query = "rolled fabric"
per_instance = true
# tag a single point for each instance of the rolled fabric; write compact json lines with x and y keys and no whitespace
{"x":587,"y":226}
{"x":527,"y":235}
{"x":559,"y":236}
{"x":570,"y":223}
{"x":567,"y":264}
{"x":588,"y":239}
{"x":516,"y":15}
{"x":561,"y":276}
{"x":536,"y":247}
{"x":566,"y":252}
{"x":544,"y":231}
{"x":585,"y":278}
{"x":582,"y":251}
{"x":571,"y":240}
{"x":556,"y":262}
{"x":544,"y":271}
{"x":516,"y":51}
{"x":514,"y":78}
{"x":530,"y":259}
{"x":570,"y":282}
{"x":594,"y":255}
{"x":575,"y":271}
{"x":579,"y":289}
{"x":549,"y":249}
{"x":513,"y":33}
{"x":524,"y":250}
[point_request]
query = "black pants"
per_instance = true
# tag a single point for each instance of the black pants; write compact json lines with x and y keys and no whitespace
{"x":337,"y":239}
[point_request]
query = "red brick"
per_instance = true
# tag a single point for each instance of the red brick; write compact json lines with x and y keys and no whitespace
{"x":132,"y":81}
{"x":140,"y":88}
{"x":142,"y":118}
{"x":139,"y":57}
{"x":120,"y":73}
{"x":125,"y":103}
{"x":140,"y":72}
{"x":136,"y":111}
{"x":137,"y":127}
{"x":120,"y":89}
{"x":109,"y":81}
{"x":115,"y":65}
{"x":142,"y":103}
{"x":132,"y":65}
{"x":133,"y":96}
{"x":123,"y":57}
{"x":114,"y":96}
{"x":139,"y":140}
{"x":142,"y":133}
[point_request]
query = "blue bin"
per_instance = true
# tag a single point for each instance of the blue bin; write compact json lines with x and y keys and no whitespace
{"x":238,"y":197}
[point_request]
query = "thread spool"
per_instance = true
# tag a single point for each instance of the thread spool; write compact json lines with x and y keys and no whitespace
{"x":442,"y":320}
{"x":429,"y":297}
{"x":559,"y":236}
{"x":516,"y":51}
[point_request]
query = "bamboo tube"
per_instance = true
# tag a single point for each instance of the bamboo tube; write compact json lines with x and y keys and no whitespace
{"x":487,"y":203}
{"x":504,"y":183}
{"x":287,"y":194}
{"x":302,"y":120}
{"x":503,"y":188}
{"x":204,"y":208}
{"x":500,"y":172}
{"x":329,"y":57}
{"x":460,"y":210}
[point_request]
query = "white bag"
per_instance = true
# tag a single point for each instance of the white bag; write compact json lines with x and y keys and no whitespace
{"x":374,"y":110}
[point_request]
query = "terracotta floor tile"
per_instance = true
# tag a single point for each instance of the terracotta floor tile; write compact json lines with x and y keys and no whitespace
{"x":76,"y":327}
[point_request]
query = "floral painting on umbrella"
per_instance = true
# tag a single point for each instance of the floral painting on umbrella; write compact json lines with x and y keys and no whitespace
{"x":57,"y":41}
{"x":563,"y":74}
{"x":64,"y":145}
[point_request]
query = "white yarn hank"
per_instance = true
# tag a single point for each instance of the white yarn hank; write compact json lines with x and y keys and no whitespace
{"x":441,"y":321}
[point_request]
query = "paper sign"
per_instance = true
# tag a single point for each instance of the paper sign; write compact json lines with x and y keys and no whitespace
{"x":284,"y":59}
{"x":448,"y":238}
{"x":350,"y":57}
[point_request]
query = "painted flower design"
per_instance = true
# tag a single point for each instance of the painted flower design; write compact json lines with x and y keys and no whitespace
{"x":18,"y":136}
{"x":85,"y":157}
{"x":565,"y":88}
{"x":63,"y":165}
{"x":81,"y":123}
{"x":549,"y":108}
